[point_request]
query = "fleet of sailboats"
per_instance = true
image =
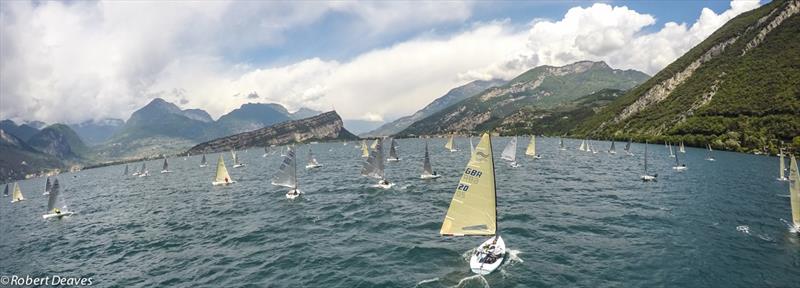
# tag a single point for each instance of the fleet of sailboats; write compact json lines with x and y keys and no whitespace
{"x":473,"y":210}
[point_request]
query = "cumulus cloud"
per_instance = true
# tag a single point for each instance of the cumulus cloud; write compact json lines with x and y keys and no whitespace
{"x":613,"y":34}
{"x":81,"y":60}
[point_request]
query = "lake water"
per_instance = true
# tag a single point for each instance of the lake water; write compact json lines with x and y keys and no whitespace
{"x":571,"y":219}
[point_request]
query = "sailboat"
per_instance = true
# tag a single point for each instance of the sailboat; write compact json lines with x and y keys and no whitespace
{"x":312,"y":162}
{"x":236,"y":163}
{"x":287,"y":174}
{"x":144,"y":172}
{"x":682,"y":149}
{"x":591,"y":148}
{"x":647,"y":177}
{"x":135,"y":172}
{"x":471,"y":146}
{"x":671,"y":153}
{"x":165,"y":167}
{"x":708,"y":153}
{"x":5,"y":192}
{"x":678,"y":166}
{"x":561,"y":144}
{"x":364,"y":149}
{"x":583,"y":145}
{"x":203,"y":162}
{"x":612,"y":150}
{"x":16,"y":196}
{"x":473,"y":210}
{"x":374,"y":167}
{"x":794,"y":193}
{"x":56,"y":206}
{"x":392,"y":152}
{"x":782,"y":172}
{"x":126,"y":170}
{"x":47,"y":187}
{"x":222,"y":177}
{"x":531,"y":150}
{"x":510,"y":152}
{"x":374,"y":144}
{"x":628,"y":148}
{"x":450,"y":144}
{"x":427,"y":169}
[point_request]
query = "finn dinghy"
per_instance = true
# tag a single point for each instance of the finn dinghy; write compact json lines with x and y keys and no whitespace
{"x":451,"y":146}
{"x":647,"y":177}
{"x":393,"y":157}
{"x":427,"y":169}
{"x":708,"y":153}
{"x":510,"y":153}
{"x":5,"y":192}
{"x":287,"y":174}
{"x":375,"y":166}
{"x":203,"y":162}
{"x":222,"y":177}
{"x":561,"y":144}
{"x":236,"y":163}
{"x":165,"y":167}
{"x":144,"y":172}
{"x":56,"y":206}
{"x":16,"y":195}
{"x":473,"y":210}
{"x":612,"y":150}
{"x":794,"y":193}
{"x":312,"y":161}
{"x":678,"y":166}
{"x":47,"y":187}
{"x":531,"y":150}
{"x":628,"y":148}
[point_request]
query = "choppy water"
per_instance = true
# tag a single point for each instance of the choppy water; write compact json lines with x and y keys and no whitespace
{"x":571,"y":219}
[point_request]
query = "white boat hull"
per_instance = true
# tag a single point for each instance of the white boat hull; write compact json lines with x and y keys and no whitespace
{"x":238,"y":165}
{"x":165,"y":171}
{"x":383,"y":186}
{"x":293,"y":194}
{"x":711,"y":159}
{"x":215,"y":183}
{"x":431,"y":176}
{"x":680,"y":168}
{"x":59,"y":215}
{"x":648,"y":178}
{"x":485,"y":268}
{"x":313,"y":166}
{"x":393,"y":159}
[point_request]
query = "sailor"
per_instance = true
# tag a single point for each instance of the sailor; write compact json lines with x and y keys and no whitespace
{"x":56,"y":210}
{"x":226,"y":179}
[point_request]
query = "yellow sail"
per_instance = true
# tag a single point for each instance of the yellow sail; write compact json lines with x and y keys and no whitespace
{"x":374,"y":144}
{"x":364,"y":150}
{"x":222,"y":172}
{"x":531,"y":151}
{"x":473,"y":210}
{"x":794,"y":191}
{"x":449,"y":144}
{"x":17,"y":194}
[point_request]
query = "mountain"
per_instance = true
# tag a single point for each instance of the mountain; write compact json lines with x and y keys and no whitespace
{"x":325,"y":126}
{"x":361,"y":126}
{"x":542,"y":87}
{"x":94,"y":132}
{"x":59,"y":140}
{"x":453,"y":96}
{"x":19,"y":159}
{"x":738,"y":90}
{"x":23,"y":131}
{"x":198,"y":114}
{"x":36,"y":124}
{"x":161,"y":118}
{"x":556,"y":120}
{"x":304,"y":113}
{"x":251,"y":116}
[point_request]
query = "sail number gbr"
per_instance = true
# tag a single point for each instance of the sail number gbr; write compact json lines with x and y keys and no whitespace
{"x":471,"y":176}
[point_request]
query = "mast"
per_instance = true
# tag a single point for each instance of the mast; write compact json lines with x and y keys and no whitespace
{"x":645,"y":157}
{"x":294,"y":172}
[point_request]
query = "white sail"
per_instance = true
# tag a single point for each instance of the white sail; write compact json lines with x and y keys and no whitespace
{"x":510,"y":152}
{"x":56,"y":199}
{"x":782,"y":172}
{"x":16,"y":195}
{"x":426,"y":162}
{"x":671,"y":153}
{"x":794,"y":191}
{"x":374,"y":166}
{"x":531,"y":150}
{"x":393,"y":151}
{"x":235,"y":159}
{"x":364,"y":149}
{"x":287,"y":172}
{"x":473,"y":209}
{"x":222,"y":176}
{"x":374,"y":144}
{"x":682,"y":149}
{"x":47,"y":187}
{"x":312,"y":161}
{"x":471,"y":146}
{"x":612,"y":150}
{"x":583,"y":145}
{"x":450,"y":144}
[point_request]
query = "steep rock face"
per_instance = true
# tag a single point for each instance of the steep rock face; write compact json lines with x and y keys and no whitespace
{"x":22,"y":131}
{"x":738,"y":90}
{"x":18,"y":159}
{"x":453,"y":96}
{"x":543,"y":87}
{"x":326,"y":126}
{"x":60,"y":141}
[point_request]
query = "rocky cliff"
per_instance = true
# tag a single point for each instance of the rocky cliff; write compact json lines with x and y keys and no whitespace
{"x":325,"y":126}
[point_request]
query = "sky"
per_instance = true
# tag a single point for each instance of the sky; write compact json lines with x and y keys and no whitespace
{"x":75,"y":61}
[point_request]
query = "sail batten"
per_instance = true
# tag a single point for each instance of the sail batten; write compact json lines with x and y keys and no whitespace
{"x":473,"y":209}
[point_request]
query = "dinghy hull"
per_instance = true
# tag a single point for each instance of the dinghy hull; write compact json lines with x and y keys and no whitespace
{"x":59,"y":215}
{"x":215,"y":183}
{"x":486,"y":268}
{"x":429,"y":176}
